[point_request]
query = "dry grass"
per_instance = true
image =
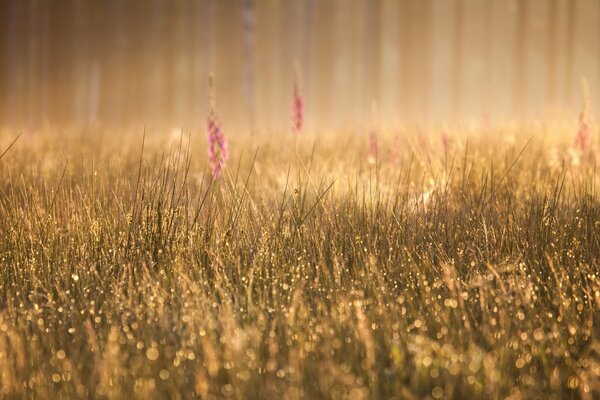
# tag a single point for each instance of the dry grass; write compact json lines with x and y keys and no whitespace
{"x":305,"y":272}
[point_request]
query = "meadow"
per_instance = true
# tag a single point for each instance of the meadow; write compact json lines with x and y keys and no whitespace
{"x":425,"y":265}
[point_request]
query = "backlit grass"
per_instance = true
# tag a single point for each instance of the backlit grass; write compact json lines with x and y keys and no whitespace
{"x":305,"y":271}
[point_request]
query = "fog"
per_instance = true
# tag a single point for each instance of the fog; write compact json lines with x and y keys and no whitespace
{"x":134,"y":62}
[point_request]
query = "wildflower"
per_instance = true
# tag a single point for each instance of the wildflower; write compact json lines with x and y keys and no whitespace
{"x":485,"y":120}
{"x":394,"y":149}
{"x":373,"y":146}
{"x":297,"y":106}
{"x":446,"y":142}
{"x":583,"y":136}
{"x":217,"y":143}
{"x":373,"y":136}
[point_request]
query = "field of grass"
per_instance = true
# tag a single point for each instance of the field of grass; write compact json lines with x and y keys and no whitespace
{"x":305,"y":271}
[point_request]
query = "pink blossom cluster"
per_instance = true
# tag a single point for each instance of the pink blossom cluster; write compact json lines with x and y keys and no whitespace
{"x":583,"y":136}
{"x":217,"y":146}
{"x":217,"y":142}
{"x":297,"y":109}
{"x":373,"y":147}
{"x":446,"y":142}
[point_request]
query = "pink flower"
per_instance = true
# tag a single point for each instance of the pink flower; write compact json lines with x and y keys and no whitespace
{"x":394,"y":149}
{"x":373,"y":147}
{"x":297,"y":107}
{"x":446,"y":142}
{"x":583,"y":136}
{"x":373,"y":135}
{"x":485,"y":120}
{"x":217,"y":143}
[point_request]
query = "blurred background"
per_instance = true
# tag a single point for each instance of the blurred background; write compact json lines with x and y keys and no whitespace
{"x":130,"y":62}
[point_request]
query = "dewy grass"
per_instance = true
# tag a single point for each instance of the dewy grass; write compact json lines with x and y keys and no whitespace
{"x":130,"y":274}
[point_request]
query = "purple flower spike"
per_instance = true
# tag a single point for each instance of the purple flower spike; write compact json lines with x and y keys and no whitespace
{"x":217,"y":143}
{"x":297,"y":107}
{"x":446,"y":142}
{"x":373,"y":147}
{"x":583,"y":137}
{"x":373,"y":151}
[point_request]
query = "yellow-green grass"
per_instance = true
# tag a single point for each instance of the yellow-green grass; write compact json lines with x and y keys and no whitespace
{"x":305,"y":272}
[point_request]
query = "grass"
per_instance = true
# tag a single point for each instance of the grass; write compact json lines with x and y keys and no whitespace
{"x":305,"y":272}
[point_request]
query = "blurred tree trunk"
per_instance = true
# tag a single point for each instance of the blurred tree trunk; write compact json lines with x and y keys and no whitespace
{"x":32,"y":65}
{"x":308,"y":53}
{"x":55,"y":43}
{"x":406,"y":62}
{"x":322,"y":71}
{"x":117,"y":47}
{"x":172,"y":55}
{"x":153,"y":65}
{"x":519,"y":89}
{"x":458,"y":58}
{"x":423,"y":55}
{"x":13,"y":60}
{"x":570,"y":43}
{"x":551,"y":53}
{"x":95,"y":65}
{"x":179,"y":70}
{"x":488,"y":44}
{"x":248,"y":74}
{"x":79,"y":88}
{"x":373,"y":53}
